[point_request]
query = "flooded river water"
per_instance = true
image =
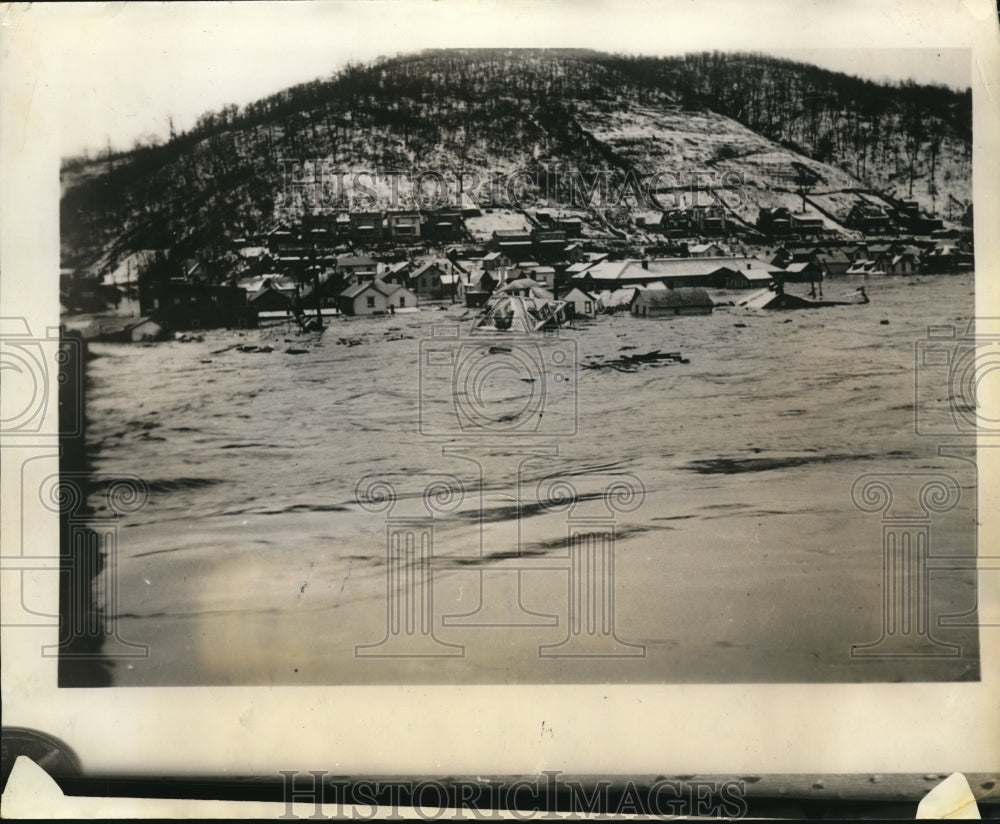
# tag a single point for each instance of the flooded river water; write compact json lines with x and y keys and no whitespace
{"x":277,"y":478}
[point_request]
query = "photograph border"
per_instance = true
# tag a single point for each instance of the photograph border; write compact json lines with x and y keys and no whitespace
{"x":621,"y":730}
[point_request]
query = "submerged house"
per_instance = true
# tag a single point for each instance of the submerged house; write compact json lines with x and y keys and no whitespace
{"x":145,"y":330}
{"x":271,"y":297}
{"x":181,"y":305}
{"x":906,"y":262}
{"x":661,"y":303}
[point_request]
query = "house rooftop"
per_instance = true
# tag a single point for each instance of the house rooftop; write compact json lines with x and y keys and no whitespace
{"x":671,"y":267}
{"x":674,"y":297}
{"x":355,"y":260}
{"x":423,"y":267}
{"x":376,"y":285}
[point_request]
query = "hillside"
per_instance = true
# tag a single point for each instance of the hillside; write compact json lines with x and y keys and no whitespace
{"x":765,"y":120}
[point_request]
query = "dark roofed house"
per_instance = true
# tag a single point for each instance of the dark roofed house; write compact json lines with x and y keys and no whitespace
{"x":404,"y":226}
{"x":811,"y":225}
{"x":661,"y":303}
{"x":549,"y":244}
{"x":708,"y":220}
{"x":478,"y":288}
{"x":269,"y":298}
{"x":178,"y":304}
{"x":868,"y":218}
{"x":515,"y":244}
{"x":511,"y":236}
{"x":366,"y":227}
{"x":444,"y":224}
{"x":675,"y":223}
{"x":572,"y":226}
{"x":573,"y":252}
{"x":483,"y":280}
{"x":399,"y":272}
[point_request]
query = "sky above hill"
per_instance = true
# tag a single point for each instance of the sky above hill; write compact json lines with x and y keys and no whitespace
{"x":123,"y":71}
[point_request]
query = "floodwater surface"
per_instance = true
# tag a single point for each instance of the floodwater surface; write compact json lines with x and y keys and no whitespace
{"x":394,"y":503}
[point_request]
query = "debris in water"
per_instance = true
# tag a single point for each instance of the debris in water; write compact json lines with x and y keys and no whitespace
{"x":628,"y":363}
{"x":522,"y":306}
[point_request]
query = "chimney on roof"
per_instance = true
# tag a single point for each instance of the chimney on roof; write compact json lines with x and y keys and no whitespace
{"x":645,"y":263}
{"x":749,"y":264}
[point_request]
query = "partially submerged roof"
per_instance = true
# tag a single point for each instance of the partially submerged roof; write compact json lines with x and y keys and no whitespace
{"x":766,"y":299}
{"x":670,"y":298}
{"x":672,"y":267}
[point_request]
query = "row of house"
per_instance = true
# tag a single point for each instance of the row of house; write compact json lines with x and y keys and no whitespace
{"x":782,"y":222}
{"x":549,"y":245}
{"x":318,"y":232}
{"x":890,"y":218}
{"x":705,"y":220}
{"x":820,"y":261}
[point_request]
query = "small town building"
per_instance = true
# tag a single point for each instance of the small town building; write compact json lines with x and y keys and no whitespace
{"x":428,"y":280}
{"x":357,"y":268}
{"x":180,"y":305}
{"x":366,"y":227}
{"x":444,"y":225}
{"x":493,"y":261}
{"x":268,"y":297}
{"x":832,"y":262}
{"x":375,"y":298}
{"x":584,"y":304}
{"x":661,"y":303}
{"x":705,"y":250}
{"x":404,"y":226}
